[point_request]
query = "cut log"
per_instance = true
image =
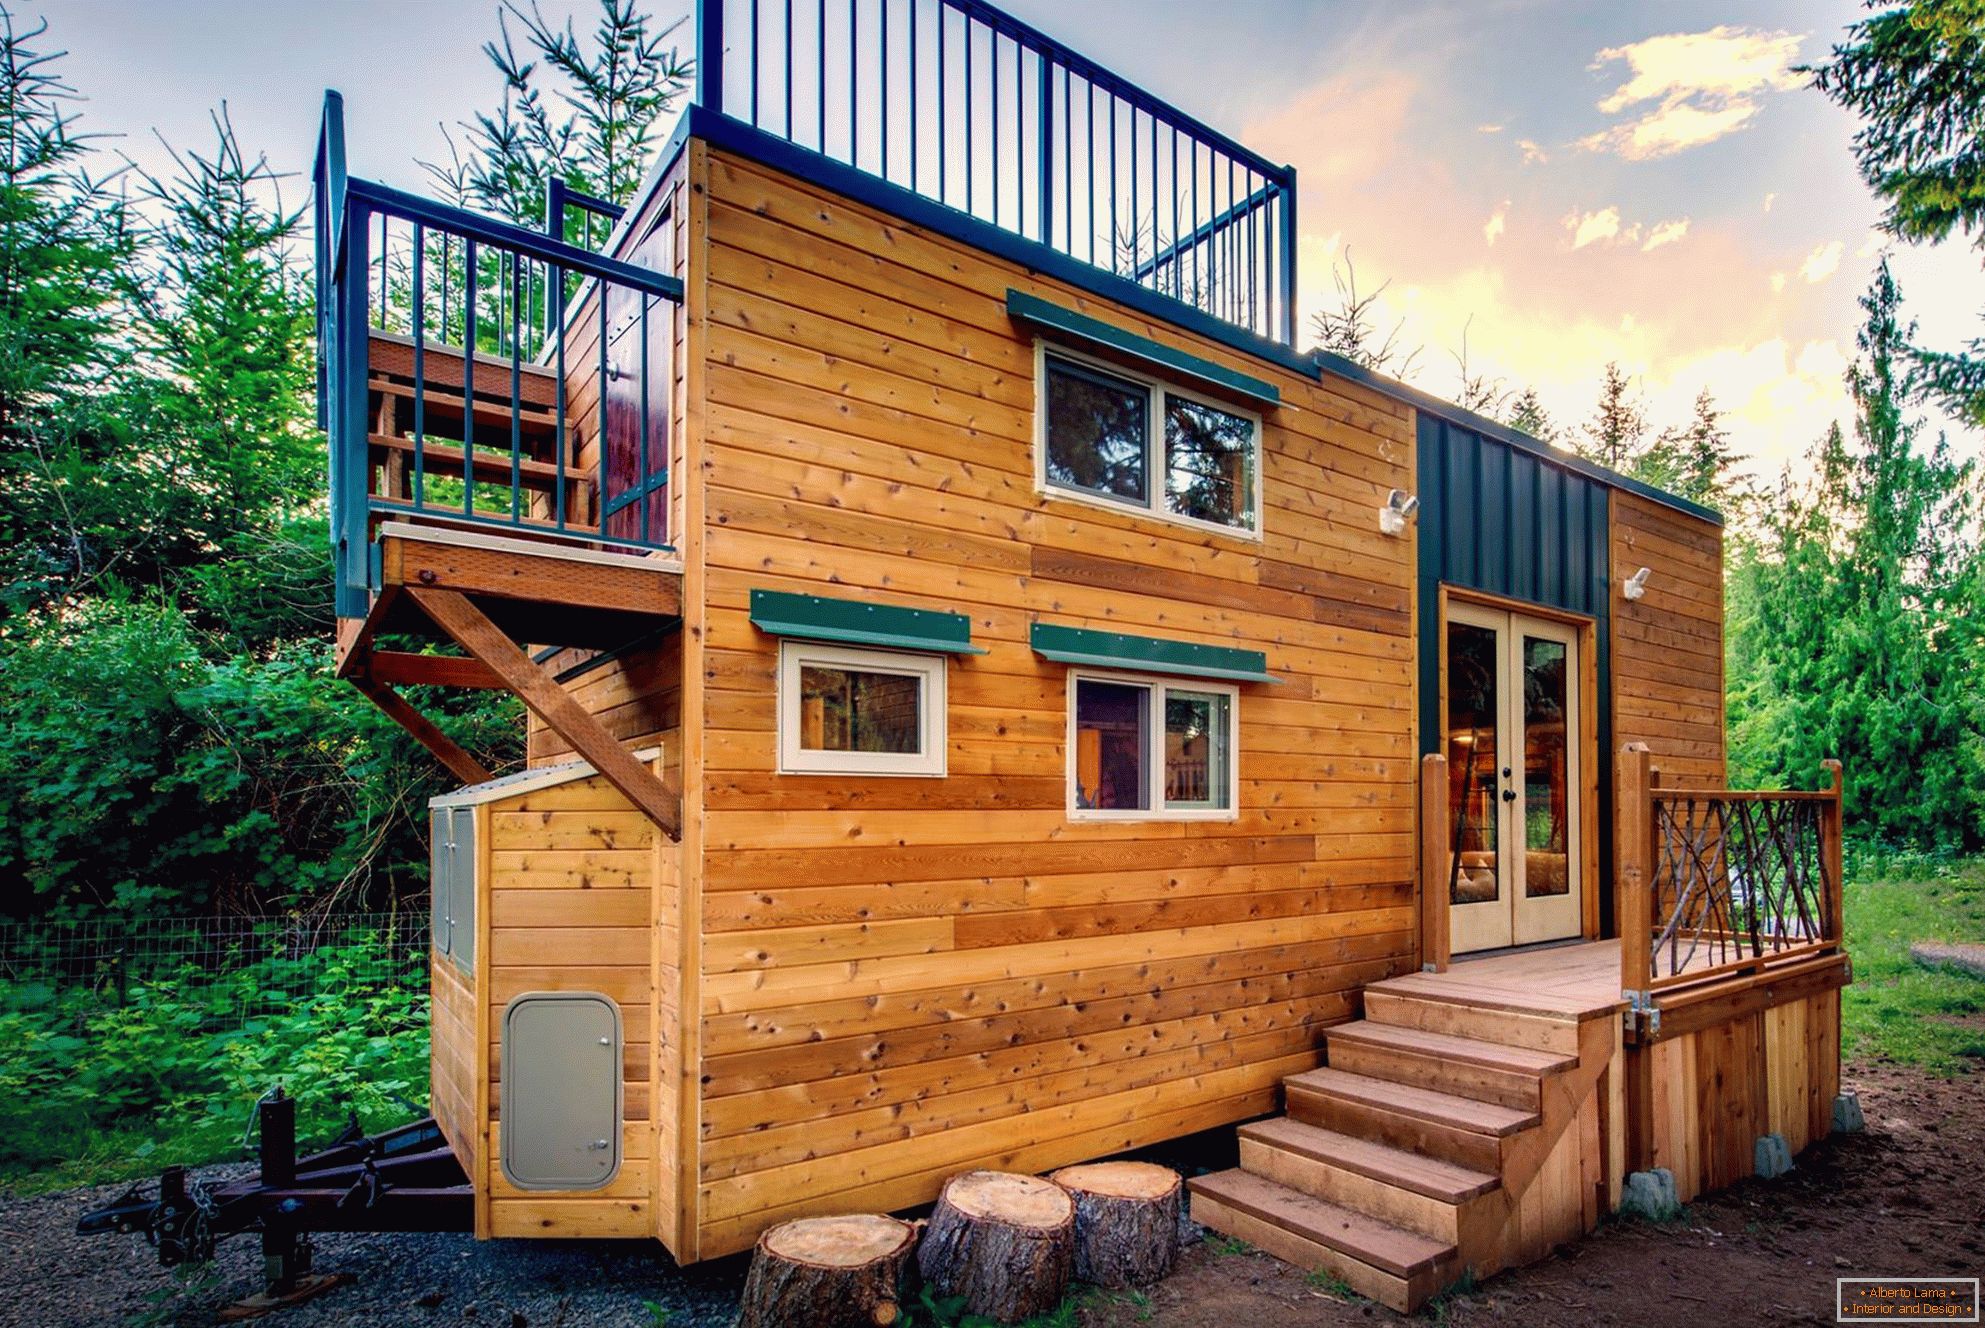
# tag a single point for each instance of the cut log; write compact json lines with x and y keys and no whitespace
{"x":1005,"y":1243}
{"x":828,"y":1272}
{"x":1126,"y":1221}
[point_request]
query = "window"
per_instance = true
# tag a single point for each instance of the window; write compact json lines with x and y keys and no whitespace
{"x":1128,"y":441}
{"x":845,"y":711}
{"x":1143,"y":747}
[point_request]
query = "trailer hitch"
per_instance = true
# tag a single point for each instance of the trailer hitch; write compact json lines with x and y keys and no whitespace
{"x":407,"y":1178}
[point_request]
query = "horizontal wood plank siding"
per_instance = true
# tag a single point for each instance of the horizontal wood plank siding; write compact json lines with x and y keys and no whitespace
{"x":558,"y":921}
{"x":968,"y":977}
{"x":1668,"y":645}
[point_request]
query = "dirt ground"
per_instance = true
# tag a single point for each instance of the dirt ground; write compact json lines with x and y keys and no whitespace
{"x":1905,"y":1198}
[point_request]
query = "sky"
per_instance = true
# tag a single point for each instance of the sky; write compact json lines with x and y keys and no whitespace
{"x":1562,"y":182}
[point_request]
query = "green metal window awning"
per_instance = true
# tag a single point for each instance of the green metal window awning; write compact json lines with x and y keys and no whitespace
{"x":1085,"y":332}
{"x":1149,"y":654}
{"x":857,"y":622}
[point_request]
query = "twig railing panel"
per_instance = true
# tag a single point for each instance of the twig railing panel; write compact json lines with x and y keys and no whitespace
{"x":1715,"y":881}
{"x":960,"y":102}
{"x":483,"y":373}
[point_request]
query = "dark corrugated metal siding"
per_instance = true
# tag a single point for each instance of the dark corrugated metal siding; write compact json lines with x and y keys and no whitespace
{"x":1507,"y":522}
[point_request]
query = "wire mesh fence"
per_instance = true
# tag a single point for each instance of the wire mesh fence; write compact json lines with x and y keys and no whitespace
{"x":245,"y":968}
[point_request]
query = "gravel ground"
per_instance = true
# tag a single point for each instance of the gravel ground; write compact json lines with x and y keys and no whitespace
{"x":1901,"y":1199}
{"x":52,"y":1278}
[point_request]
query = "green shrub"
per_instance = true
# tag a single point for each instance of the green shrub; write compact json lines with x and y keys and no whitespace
{"x":94,"y":1084}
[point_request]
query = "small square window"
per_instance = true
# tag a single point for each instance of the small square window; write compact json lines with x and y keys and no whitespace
{"x":1144,"y":748}
{"x":1096,"y":435}
{"x":845,"y":711}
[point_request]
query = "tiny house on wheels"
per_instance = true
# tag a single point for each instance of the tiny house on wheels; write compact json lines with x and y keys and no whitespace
{"x":996,"y":701}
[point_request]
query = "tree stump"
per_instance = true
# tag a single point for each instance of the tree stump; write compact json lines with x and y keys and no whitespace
{"x":1126,"y":1221}
{"x":828,"y":1272}
{"x":1005,"y":1243}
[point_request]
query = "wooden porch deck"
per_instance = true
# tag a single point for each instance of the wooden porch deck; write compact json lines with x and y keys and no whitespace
{"x":1574,"y":981}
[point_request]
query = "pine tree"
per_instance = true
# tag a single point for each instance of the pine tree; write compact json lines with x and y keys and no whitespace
{"x":1694,"y":460}
{"x":594,"y":126}
{"x":1528,"y":415}
{"x":1915,"y":74}
{"x":1351,"y":329}
{"x":1853,"y":631}
{"x":1616,"y":433}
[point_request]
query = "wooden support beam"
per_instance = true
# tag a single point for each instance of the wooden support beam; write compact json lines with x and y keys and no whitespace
{"x":450,"y":753}
{"x":1434,"y":864}
{"x":1832,"y":856}
{"x":403,"y":669}
{"x":471,"y":629}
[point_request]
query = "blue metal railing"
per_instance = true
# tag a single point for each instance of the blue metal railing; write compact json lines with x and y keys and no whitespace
{"x":965,"y":105}
{"x":464,"y":364}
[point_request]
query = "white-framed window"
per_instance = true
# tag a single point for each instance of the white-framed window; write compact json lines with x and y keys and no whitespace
{"x":850,"y":711}
{"x":1151,"y":748}
{"x":1104,"y":435}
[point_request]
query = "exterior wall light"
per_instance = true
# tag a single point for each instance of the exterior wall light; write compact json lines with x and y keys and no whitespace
{"x":1398,"y":510}
{"x":1636,"y":585}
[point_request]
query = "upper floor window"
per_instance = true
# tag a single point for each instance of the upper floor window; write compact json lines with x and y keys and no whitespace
{"x":1108,"y":436}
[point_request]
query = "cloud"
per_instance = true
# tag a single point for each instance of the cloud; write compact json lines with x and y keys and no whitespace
{"x":1533,"y":155}
{"x":1822,"y":263}
{"x":1691,"y":88}
{"x":1777,"y":282}
{"x":1601,"y":227}
{"x":1488,"y":129}
{"x":1872,"y":244}
{"x":1497,"y":223}
{"x":1769,"y":199}
{"x":1665,"y":232}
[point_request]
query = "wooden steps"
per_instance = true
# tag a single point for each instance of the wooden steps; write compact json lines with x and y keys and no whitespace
{"x":1455,"y":1129}
{"x":1389,"y":1264}
{"x":1490,"y":1071}
{"x":1415,"y":1155}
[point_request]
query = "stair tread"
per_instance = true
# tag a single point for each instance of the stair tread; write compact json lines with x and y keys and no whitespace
{"x":1455,"y":988}
{"x":1388,"y":1248}
{"x":1433,"y":1177}
{"x":1448,"y":1109}
{"x":1447,"y":1046}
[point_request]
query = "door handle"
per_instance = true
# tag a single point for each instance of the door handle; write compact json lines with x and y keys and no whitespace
{"x":1509,"y":795}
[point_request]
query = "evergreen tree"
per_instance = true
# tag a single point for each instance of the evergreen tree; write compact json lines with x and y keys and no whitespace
{"x":1692,"y":461}
{"x":1527,"y":413}
{"x":1616,"y":434}
{"x":1352,"y":331}
{"x":594,"y":126}
{"x":1853,"y":632}
{"x":1915,"y":74}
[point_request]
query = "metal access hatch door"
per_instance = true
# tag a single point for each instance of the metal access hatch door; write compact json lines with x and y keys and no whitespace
{"x":561,"y":1073}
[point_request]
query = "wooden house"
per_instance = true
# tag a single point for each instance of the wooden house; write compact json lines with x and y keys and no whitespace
{"x":996,"y":701}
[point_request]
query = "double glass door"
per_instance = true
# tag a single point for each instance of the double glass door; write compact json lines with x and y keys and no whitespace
{"x":1513,"y":751}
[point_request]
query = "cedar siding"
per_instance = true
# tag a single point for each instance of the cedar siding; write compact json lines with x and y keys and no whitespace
{"x":971,"y":978}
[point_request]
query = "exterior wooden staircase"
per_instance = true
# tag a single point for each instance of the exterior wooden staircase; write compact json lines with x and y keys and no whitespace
{"x":1455,"y":1130}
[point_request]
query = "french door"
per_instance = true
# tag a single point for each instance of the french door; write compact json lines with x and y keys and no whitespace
{"x":1513,"y":751}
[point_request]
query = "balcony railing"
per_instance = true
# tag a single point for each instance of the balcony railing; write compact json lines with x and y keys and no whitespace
{"x":967,"y":106}
{"x":1715,"y":882}
{"x":483,"y":374}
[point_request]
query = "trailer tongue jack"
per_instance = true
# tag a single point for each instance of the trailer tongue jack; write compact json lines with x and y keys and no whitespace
{"x":406,"y":1179}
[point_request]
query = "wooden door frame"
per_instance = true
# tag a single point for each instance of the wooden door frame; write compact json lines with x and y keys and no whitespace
{"x":1590,"y":809}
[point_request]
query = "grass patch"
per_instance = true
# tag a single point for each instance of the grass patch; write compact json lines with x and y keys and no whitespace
{"x":1897,"y":1010}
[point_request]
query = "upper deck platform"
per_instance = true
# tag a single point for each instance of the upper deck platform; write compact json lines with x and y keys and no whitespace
{"x":1036,"y":150}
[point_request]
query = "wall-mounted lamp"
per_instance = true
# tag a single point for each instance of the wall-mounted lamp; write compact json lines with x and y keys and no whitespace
{"x":1398,"y":510}
{"x":1636,"y":585}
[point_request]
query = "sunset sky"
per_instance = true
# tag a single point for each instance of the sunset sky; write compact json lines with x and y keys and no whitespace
{"x":1647,"y":183}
